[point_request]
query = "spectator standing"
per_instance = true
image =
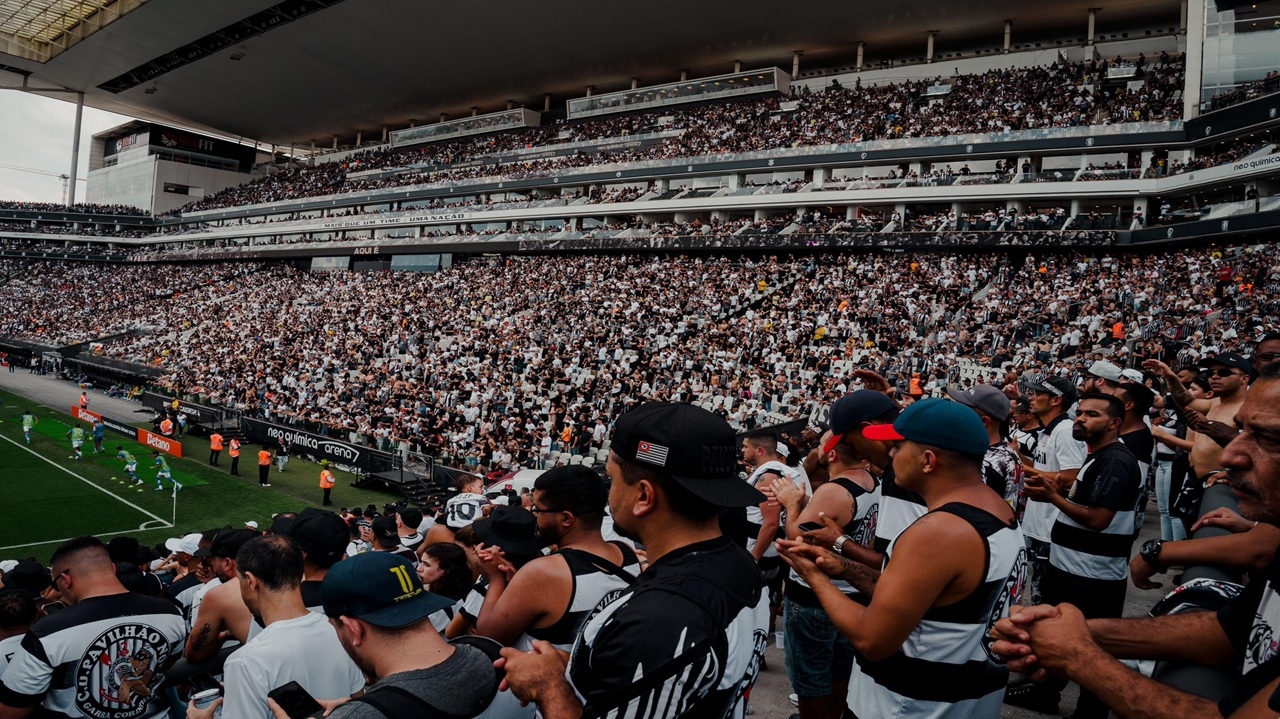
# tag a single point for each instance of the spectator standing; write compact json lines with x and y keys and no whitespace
{"x":1058,"y":458}
{"x":1001,"y":468}
{"x":1092,"y":535}
{"x":694,"y":623}
{"x":295,"y":645}
{"x":233,"y":451}
{"x":946,"y":578}
{"x":381,"y":613}
{"x":107,"y":638}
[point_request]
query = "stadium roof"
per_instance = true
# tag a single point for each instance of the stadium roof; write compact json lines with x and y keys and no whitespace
{"x":286,"y":71}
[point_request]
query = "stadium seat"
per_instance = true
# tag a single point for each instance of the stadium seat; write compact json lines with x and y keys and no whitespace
{"x":575,"y":459}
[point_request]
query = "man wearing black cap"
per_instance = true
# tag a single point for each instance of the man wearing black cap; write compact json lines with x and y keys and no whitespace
{"x":380,"y":610}
{"x":17,"y":612}
{"x":1212,"y":419}
{"x":946,"y":580}
{"x":1058,"y":458}
{"x":29,"y":575}
{"x":387,"y":539}
{"x":693,"y":626}
{"x":323,"y":538}
{"x":222,"y":607}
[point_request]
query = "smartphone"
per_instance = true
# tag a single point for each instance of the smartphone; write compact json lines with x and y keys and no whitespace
{"x":296,"y":702}
{"x":810,"y":526}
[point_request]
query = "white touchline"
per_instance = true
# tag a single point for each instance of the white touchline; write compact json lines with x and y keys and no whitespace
{"x":19,"y":445}
{"x":141,"y":528}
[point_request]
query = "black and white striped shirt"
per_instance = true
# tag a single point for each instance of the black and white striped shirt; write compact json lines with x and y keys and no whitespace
{"x":686,"y":640}
{"x":945,"y":668}
{"x":594,"y":578}
{"x":97,"y":659}
{"x":1110,"y":478}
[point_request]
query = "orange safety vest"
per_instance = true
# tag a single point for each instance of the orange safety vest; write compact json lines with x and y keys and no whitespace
{"x":1117,"y":331}
{"x":326,"y":479}
{"x":915,"y":387}
{"x":84,"y":400}
{"x":166,"y":426}
{"x":235,"y":448}
{"x":215,"y":440}
{"x":264,"y":458}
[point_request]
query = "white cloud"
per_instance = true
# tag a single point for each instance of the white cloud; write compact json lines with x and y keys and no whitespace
{"x":35,"y":132}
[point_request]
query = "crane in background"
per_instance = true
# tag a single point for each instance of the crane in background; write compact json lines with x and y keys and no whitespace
{"x":60,"y":175}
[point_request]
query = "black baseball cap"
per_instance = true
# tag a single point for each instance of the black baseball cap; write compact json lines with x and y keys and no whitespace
{"x":851,"y":410}
{"x":29,"y":575}
{"x":322,"y":535}
{"x":696,"y":447}
{"x":514,"y":530}
{"x":385,"y":530}
{"x":380,"y":588}
{"x":226,"y":543}
{"x":1058,"y":387}
{"x":1232,"y":360}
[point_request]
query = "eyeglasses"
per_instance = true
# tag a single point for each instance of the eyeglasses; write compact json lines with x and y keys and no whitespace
{"x":535,"y":511}
{"x":1223,"y":373}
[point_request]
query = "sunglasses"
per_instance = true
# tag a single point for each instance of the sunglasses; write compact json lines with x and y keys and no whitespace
{"x":1222,"y":373}
{"x":1267,"y":356}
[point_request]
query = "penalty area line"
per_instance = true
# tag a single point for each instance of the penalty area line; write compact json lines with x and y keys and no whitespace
{"x":117,"y":497}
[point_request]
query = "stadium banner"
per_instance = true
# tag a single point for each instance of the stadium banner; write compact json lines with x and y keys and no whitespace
{"x":160,"y":442}
{"x":84,"y":415}
{"x":200,"y":413}
{"x":111,"y":424}
{"x":318,"y":446}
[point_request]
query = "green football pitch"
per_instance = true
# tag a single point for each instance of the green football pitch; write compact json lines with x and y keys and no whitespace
{"x":50,"y":497}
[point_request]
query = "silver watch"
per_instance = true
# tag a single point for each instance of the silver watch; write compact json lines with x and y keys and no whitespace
{"x":838,"y":545}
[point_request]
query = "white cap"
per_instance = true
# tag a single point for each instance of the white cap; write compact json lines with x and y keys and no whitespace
{"x":1133,"y":375}
{"x":1105,"y":370}
{"x":502,"y":499}
{"x":782,"y":450}
{"x":8,"y":565}
{"x":251,"y":524}
{"x":186,"y":544}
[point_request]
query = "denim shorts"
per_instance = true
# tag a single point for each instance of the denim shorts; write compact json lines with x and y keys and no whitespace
{"x":818,"y":656}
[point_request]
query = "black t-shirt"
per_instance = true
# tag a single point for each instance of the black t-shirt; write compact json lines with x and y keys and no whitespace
{"x":685,"y":640}
{"x":1252,"y":623}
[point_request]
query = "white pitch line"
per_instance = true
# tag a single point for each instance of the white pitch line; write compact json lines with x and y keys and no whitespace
{"x":141,"y":528}
{"x":23,"y":447}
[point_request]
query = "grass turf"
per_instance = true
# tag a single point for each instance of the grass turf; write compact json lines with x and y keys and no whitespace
{"x":60,"y":498}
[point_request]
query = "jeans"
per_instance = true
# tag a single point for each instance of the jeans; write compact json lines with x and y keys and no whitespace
{"x":1170,"y":529}
{"x":818,"y":656}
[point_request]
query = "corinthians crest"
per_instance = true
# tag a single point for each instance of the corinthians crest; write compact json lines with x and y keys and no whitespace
{"x":117,"y":675}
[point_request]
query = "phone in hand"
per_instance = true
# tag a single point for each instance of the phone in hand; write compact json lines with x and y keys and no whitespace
{"x":810,"y":526}
{"x":296,"y":702}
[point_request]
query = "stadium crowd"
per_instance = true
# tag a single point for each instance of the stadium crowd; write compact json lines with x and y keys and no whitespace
{"x":1060,"y":95}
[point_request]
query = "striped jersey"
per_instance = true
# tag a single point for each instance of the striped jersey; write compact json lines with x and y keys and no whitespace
{"x":1110,"y":478}
{"x":686,"y":640}
{"x":861,"y":528}
{"x":766,"y":474}
{"x":945,"y":668}
{"x":98,"y":659}
{"x":1056,"y":451}
{"x":461,"y":510}
{"x":899,"y":508}
{"x":594,"y":579}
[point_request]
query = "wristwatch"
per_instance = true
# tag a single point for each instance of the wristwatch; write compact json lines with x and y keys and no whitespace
{"x":1150,"y":552}
{"x":838,"y":545}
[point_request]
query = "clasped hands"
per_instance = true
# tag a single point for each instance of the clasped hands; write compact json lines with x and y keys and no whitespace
{"x":1042,"y":639}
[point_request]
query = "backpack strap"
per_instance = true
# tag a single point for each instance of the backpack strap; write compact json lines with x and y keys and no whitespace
{"x":395,"y":702}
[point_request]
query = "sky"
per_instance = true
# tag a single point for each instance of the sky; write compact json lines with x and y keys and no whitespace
{"x":35,"y":132}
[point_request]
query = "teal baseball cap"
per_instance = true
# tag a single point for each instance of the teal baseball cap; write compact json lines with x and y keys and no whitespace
{"x":380,"y":588}
{"x":937,"y":423}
